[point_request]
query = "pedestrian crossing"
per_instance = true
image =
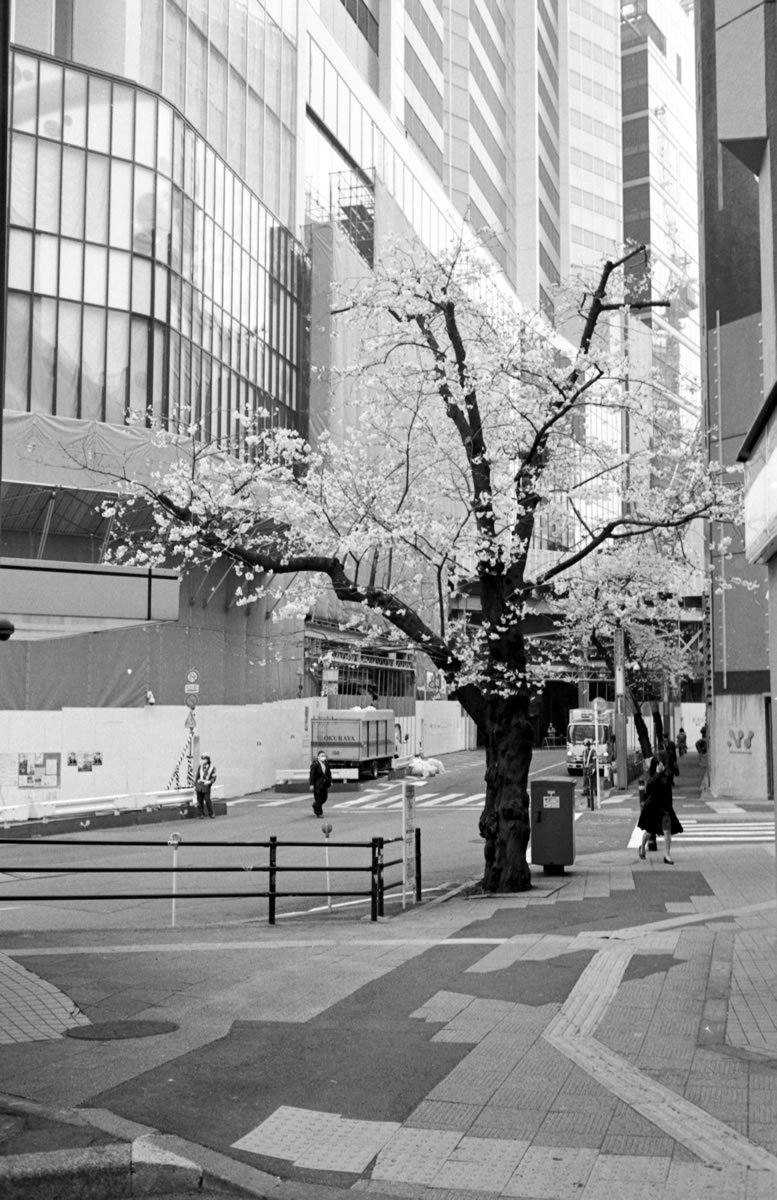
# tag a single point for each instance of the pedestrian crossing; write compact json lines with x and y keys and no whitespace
{"x":391,"y":799}
{"x":710,"y":832}
{"x":385,"y":797}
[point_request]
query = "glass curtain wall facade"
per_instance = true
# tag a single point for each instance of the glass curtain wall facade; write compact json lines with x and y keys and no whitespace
{"x":144,"y":274}
{"x":229,"y":66}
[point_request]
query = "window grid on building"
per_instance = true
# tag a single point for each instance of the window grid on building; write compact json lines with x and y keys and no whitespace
{"x":143,"y":274}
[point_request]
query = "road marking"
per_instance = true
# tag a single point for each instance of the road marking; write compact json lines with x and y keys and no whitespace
{"x":439,"y":799}
{"x":712,"y":831}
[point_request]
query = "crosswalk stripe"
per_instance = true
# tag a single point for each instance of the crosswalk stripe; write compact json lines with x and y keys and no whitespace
{"x":437,"y":800}
{"x":476,"y":798}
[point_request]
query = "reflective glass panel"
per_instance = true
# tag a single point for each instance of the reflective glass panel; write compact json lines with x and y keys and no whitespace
{"x":177,"y":150}
{"x":93,"y":364}
{"x":46,"y":264}
{"x":68,"y":359}
{"x":97,"y":198}
{"x":145,"y":129}
{"x":186,"y":310}
{"x":123,"y":115}
{"x":20,"y":260}
{"x":141,"y":286}
{"x":22,"y":198}
{"x":158,"y":375}
{"x":121,"y":205}
{"x":17,"y":352}
{"x":50,"y":101}
{"x":73,"y":185}
{"x":71,"y":269}
{"x":47,"y":184}
{"x":144,"y":212}
{"x":164,"y":149}
{"x":99,"y":114}
{"x":95,"y":274}
{"x":44,"y":340}
{"x":117,"y":368}
{"x":138,"y":389}
{"x":163,"y":218}
{"x":160,"y":293}
{"x":119,"y":280}
{"x":25,"y":94}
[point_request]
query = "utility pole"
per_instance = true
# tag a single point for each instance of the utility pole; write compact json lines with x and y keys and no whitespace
{"x":621,"y":749}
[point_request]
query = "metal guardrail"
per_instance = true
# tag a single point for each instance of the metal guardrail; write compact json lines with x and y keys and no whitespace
{"x":273,"y":869}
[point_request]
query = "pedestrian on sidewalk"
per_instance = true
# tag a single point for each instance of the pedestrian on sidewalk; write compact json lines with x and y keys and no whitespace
{"x":682,"y":742}
{"x":320,"y":781}
{"x":658,"y":814}
{"x":203,"y":782}
{"x":590,"y":767}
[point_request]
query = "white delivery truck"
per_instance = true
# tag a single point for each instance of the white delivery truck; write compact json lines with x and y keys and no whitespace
{"x":582,"y":727}
{"x":356,"y":737}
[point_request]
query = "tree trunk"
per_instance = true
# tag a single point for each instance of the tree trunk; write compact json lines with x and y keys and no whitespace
{"x":504,"y":822}
{"x":641,"y":728}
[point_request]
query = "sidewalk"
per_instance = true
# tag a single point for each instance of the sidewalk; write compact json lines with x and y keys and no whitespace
{"x":612,"y":1033}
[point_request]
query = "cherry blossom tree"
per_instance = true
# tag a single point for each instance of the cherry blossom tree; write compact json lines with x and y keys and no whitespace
{"x":481,"y":456}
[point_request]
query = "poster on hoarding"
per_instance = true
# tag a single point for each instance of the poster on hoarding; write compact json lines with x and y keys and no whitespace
{"x":37,"y":769}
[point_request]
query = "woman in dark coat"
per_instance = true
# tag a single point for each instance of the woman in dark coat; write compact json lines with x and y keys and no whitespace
{"x":658,"y":814}
{"x":320,"y":781}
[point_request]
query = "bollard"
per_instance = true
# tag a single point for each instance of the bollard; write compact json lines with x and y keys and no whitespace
{"x":418,"y":864}
{"x":174,"y":840}
{"x":326,"y":830}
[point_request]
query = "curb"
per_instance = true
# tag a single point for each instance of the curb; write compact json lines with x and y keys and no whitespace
{"x":140,"y":1162}
{"x":120,"y":1169}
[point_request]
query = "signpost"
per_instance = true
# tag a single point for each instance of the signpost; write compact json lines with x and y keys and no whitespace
{"x":191,"y":696}
{"x":598,"y":705}
{"x":408,"y":839}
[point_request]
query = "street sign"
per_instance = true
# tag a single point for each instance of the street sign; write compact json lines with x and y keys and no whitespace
{"x":191,"y":701}
{"x":192,"y":676}
{"x":192,"y":688}
{"x":191,"y":720}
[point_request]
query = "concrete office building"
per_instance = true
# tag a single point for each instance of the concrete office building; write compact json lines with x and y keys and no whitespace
{"x":738,"y":124}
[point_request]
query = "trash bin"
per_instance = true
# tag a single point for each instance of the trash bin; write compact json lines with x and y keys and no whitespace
{"x":553,"y":824}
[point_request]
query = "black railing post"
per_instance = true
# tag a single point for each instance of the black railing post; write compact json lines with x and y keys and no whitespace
{"x":418,"y":864}
{"x":377,"y":843}
{"x":271,"y":882}
{"x":380,"y":875}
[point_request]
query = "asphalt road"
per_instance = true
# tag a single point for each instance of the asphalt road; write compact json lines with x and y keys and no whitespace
{"x":448,"y":807}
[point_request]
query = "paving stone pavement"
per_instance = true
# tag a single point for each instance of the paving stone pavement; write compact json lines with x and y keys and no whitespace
{"x":651,"y":1072}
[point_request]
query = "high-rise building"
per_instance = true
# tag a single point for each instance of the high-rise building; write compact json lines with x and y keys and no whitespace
{"x":737,"y":127}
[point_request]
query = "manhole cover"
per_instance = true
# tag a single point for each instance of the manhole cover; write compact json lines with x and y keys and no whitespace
{"x":110,"y":1031}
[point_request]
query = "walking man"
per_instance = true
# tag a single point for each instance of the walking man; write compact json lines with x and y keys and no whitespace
{"x":320,"y":781}
{"x":203,"y":782}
